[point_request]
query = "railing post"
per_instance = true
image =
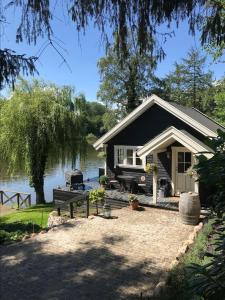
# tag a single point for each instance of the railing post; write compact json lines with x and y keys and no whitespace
{"x":71,"y":210}
{"x":29,"y":200}
{"x":18,"y":200}
{"x":1,"y":195}
{"x":87,"y":206}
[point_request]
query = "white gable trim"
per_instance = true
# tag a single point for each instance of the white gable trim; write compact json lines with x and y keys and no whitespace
{"x":181,"y":136}
{"x":153,"y":99}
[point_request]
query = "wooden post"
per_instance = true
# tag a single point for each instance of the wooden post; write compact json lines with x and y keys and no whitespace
{"x":58,"y":211}
{"x":196,"y":187}
{"x":154,"y":179}
{"x":1,"y":194}
{"x":29,"y":200}
{"x":18,"y":200}
{"x":71,"y":210}
{"x":87,"y":206}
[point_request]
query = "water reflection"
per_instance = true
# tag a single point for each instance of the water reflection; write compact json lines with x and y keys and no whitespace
{"x":54,"y":174}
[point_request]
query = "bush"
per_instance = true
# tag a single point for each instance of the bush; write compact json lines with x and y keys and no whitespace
{"x":103,"y":180}
{"x":212,"y":172}
{"x":4,"y":236}
{"x":97,"y":195}
{"x":15,"y":231}
{"x":208,"y":281}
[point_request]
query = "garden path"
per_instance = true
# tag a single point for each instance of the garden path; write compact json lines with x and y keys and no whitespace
{"x":94,"y":258}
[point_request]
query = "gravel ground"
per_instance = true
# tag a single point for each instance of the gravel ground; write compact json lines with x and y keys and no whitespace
{"x":94,"y":258}
{"x":5,"y":210}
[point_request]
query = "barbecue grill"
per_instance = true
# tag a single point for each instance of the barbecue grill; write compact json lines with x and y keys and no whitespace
{"x":74,"y":179}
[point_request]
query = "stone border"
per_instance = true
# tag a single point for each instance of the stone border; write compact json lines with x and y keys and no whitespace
{"x":163,"y":280}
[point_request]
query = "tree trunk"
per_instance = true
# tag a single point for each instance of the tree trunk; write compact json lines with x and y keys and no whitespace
{"x":40,"y":196}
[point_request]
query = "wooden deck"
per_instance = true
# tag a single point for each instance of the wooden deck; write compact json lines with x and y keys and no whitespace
{"x":120,"y":199}
{"x":146,"y":200}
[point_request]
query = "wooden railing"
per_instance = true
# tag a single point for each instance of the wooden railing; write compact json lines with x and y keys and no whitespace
{"x":20,"y":198}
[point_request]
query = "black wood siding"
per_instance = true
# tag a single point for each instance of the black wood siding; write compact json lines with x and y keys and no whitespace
{"x":151,"y":123}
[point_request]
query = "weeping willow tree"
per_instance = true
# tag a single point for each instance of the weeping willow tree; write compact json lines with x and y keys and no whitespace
{"x":38,"y":121}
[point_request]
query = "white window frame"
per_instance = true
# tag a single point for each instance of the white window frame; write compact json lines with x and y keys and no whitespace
{"x":125,"y":165}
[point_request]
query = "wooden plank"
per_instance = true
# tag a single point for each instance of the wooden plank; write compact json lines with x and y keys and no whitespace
{"x":15,"y":192}
{"x":1,"y":195}
{"x":87,"y":207}
{"x":71,"y":210}
{"x":9,"y":199}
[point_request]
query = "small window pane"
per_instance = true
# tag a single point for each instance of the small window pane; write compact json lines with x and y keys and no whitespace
{"x":129,"y":153}
{"x":187,"y":165}
{"x":188,"y":157}
{"x":120,"y":156}
{"x":138,"y":161}
{"x":180,"y":167}
{"x":180,"y":156}
{"x":130,"y":160}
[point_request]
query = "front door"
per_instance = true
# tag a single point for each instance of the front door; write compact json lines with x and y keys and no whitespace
{"x":183,"y":160}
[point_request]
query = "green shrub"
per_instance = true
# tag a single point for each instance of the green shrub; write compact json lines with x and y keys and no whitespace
{"x":4,"y":236}
{"x":208,"y":280}
{"x":212,"y":172}
{"x":103,"y":179}
{"x":25,"y":221}
{"x":97,"y":195}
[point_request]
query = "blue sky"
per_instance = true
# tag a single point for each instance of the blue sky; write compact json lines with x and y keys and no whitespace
{"x":83,"y":53}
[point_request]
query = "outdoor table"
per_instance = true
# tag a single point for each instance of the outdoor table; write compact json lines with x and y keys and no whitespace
{"x":122,"y":181}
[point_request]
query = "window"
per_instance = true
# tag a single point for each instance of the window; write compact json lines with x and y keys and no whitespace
{"x":184,"y":161}
{"x":127,"y":156}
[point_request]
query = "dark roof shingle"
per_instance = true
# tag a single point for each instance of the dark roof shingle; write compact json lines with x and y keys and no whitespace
{"x":199,"y":117}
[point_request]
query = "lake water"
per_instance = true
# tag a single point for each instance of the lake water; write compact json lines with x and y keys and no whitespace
{"x":55,"y":175}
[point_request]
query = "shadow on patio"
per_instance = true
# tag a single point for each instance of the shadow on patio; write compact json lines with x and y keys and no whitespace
{"x":28,"y":271}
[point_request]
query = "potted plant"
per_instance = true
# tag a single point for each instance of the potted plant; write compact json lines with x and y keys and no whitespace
{"x":103,"y":180}
{"x":97,"y":195}
{"x":151,"y":167}
{"x":133,"y":201}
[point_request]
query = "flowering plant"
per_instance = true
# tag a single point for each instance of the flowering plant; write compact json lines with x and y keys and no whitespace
{"x":151,"y":168}
{"x":191,"y":171}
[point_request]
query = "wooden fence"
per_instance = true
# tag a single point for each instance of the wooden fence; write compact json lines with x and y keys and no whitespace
{"x":66,"y":200}
{"x":20,"y":198}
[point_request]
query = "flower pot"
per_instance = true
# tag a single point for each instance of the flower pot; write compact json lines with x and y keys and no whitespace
{"x":134,"y":204}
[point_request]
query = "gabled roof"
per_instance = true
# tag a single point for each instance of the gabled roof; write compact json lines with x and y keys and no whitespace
{"x":199,"y":116}
{"x":170,"y":135}
{"x":200,"y":123}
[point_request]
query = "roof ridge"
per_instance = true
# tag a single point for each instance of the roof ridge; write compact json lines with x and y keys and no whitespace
{"x":207,"y":117}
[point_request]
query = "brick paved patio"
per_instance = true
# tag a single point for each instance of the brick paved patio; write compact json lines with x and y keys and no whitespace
{"x":94,"y":258}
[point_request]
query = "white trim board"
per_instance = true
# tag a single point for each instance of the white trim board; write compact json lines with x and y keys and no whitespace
{"x":169,"y":136}
{"x":153,"y":99}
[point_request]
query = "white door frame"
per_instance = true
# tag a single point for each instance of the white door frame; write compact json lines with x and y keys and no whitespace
{"x":173,"y":169}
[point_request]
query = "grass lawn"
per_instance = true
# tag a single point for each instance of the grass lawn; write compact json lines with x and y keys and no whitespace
{"x":178,"y":285}
{"x":15,"y":225}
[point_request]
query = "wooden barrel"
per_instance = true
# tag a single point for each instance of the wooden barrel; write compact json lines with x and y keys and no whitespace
{"x":189,"y":208}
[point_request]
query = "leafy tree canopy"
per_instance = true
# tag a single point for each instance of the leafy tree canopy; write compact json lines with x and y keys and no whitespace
{"x":125,"y":83}
{"x":143,"y":18}
{"x":93,"y":116}
{"x":190,"y":84}
{"x":219,"y":112}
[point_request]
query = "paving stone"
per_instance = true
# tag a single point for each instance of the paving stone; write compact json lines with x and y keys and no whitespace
{"x":103,"y":259}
